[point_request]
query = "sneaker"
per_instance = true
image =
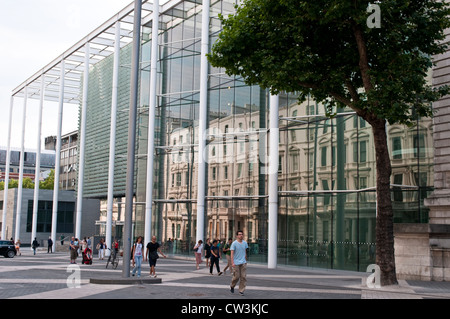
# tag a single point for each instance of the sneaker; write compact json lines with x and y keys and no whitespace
{"x":241,"y":293}
{"x":232,"y":290}
{"x":220,"y":273}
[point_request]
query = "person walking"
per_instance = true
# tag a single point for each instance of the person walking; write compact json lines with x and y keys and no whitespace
{"x":49,"y":245}
{"x":34,"y":245}
{"x":74,"y":245}
{"x":215,"y":257}
{"x":198,"y":249}
{"x":239,"y":262}
{"x":227,"y":252}
{"x":101,"y":246}
{"x":151,"y":254}
{"x":138,"y":255}
{"x":207,"y":249}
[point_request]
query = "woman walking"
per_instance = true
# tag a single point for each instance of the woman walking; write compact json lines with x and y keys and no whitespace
{"x":198,"y":249}
{"x":153,"y":248}
{"x":138,"y":254}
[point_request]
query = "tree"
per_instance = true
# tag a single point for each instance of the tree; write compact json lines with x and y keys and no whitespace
{"x":48,"y":183}
{"x":334,"y":52}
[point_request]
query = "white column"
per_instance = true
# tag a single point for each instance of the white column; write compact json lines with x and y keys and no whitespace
{"x":8,"y":160}
{"x":82,"y":142}
{"x":112,"y":138}
{"x":273,"y":183}
{"x":203,"y":118}
{"x":22,"y":156}
{"x":58,"y":152}
{"x":38,"y":162}
{"x":151,"y":123}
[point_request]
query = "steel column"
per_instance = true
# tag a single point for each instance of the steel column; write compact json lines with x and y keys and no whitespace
{"x":8,"y":160}
{"x":21,"y":164}
{"x":81,"y":151}
{"x":202,"y":125}
{"x":273,"y":182}
{"x":38,"y":161}
{"x":129,"y":189}
{"x":112,"y":138}
{"x":58,"y":151}
{"x":151,"y":123}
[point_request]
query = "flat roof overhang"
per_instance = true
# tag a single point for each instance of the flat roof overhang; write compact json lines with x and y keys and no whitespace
{"x":101,"y":45}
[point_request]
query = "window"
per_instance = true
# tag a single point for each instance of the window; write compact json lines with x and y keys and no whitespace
{"x":225,"y":172}
{"x":362,"y":152}
{"x":213,"y":173}
{"x":294,"y":162}
{"x":397,"y":147}
{"x":178,"y":179}
{"x":419,"y":146}
{"x":65,"y":216}
{"x":323,"y":152}
{"x":398,"y":194}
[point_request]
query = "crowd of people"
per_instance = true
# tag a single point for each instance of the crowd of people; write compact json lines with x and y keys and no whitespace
{"x":210,"y":253}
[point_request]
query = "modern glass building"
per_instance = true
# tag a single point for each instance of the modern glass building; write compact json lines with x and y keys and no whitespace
{"x":326,"y":166}
{"x":326,"y":170}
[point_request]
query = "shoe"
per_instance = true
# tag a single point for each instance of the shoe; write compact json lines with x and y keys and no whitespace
{"x":232,"y":290}
{"x":211,"y":273}
{"x":241,"y":293}
{"x":220,"y":273}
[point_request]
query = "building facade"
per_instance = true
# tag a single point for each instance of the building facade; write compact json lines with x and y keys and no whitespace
{"x":326,"y":166}
{"x":317,"y":225}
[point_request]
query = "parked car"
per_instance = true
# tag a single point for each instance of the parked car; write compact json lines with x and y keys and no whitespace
{"x":7,"y":248}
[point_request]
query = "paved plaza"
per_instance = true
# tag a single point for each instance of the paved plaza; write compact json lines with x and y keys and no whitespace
{"x":50,"y":276}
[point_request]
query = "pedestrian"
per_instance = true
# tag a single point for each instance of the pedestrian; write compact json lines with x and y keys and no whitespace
{"x":34,"y":245}
{"x":62,"y":240}
{"x":207,"y":251}
{"x":89,"y":242}
{"x":151,"y":254}
{"x":116,"y":245}
{"x":74,"y":245}
{"x":198,"y":249}
{"x":138,"y":254}
{"x":227,"y":252}
{"x":239,"y":262}
{"x":215,"y":257}
{"x":49,"y":245}
{"x":101,"y":246}
{"x":18,"y":247}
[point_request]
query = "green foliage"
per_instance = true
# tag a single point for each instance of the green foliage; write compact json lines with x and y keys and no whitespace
{"x":48,"y":183}
{"x":28,"y":182}
{"x":325,"y":49}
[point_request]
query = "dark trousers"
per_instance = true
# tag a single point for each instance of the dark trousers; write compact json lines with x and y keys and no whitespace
{"x":214,"y":260}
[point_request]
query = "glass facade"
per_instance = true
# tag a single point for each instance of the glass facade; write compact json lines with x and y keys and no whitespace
{"x":326,"y":172}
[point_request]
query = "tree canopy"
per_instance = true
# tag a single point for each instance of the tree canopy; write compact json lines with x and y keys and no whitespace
{"x":326,"y":49}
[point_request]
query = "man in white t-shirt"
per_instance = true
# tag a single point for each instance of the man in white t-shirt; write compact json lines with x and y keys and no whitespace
{"x":239,"y":262}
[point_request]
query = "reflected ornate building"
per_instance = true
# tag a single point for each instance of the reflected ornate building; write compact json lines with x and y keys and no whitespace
{"x":326,"y":173}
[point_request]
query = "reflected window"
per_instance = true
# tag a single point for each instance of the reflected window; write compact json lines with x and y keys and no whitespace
{"x":397,"y":147}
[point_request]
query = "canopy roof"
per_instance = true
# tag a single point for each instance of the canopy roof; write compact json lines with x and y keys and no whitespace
{"x":101,"y":44}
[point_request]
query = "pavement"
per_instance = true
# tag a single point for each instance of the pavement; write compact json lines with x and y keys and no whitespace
{"x":50,"y":276}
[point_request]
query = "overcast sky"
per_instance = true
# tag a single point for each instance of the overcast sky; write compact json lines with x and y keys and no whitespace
{"x":32,"y":34}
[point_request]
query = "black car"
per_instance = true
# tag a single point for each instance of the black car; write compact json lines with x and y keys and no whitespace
{"x":7,"y":248}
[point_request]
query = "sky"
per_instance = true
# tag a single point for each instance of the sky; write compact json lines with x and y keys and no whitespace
{"x":32,"y":34}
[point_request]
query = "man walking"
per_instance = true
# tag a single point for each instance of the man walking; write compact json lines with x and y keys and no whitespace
{"x":239,"y":262}
{"x":49,"y":245}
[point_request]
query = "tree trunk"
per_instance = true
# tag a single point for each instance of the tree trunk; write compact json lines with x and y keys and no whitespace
{"x":385,"y":258}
